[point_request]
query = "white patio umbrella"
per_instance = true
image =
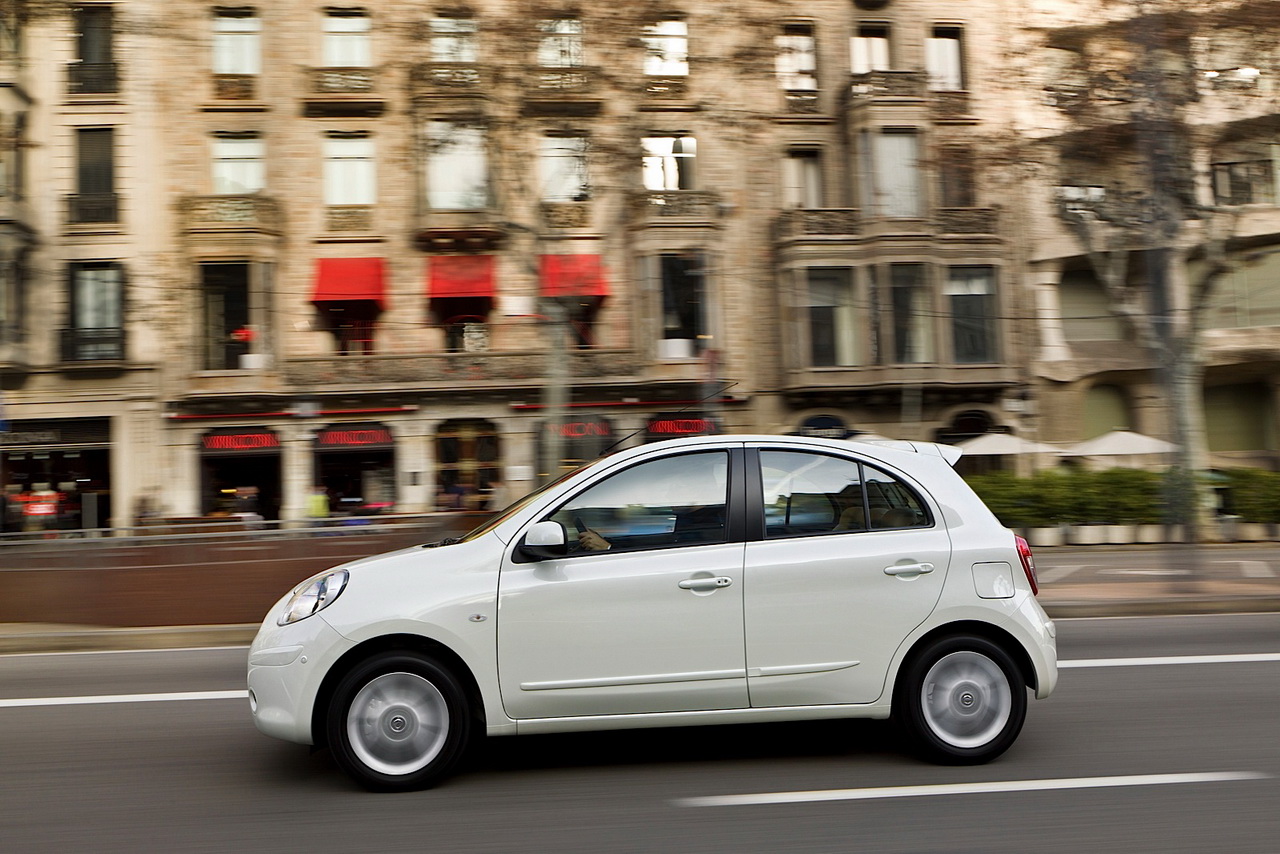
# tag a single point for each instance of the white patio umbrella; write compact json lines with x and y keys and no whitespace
{"x":1121,"y":443}
{"x":1004,"y":444}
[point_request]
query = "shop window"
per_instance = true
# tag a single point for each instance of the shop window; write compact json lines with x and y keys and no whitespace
{"x":457,"y":166}
{"x":669,"y":162}
{"x":683,"y":285}
{"x":796,"y":58}
{"x":95,"y":197}
{"x":802,"y":179}
{"x":346,"y":39}
{"x":468,"y":463}
{"x":869,"y":49}
{"x":237,"y":42}
{"x":666,"y":49}
{"x":970,"y":292}
{"x":238,"y":164}
{"x":944,"y":59}
{"x":581,"y":441}
{"x":560,"y":44}
{"x":94,"y":72}
{"x":96,"y":330}
{"x":831,"y":316}
{"x":562,"y":166}
{"x":453,"y":40}
{"x":912,"y":317}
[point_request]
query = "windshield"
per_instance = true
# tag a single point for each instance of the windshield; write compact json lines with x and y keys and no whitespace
{"x":501,"y":516}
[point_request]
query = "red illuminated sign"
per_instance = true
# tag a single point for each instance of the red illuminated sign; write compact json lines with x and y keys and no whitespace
{"x":240,"y":441}
{"x":354,"y":437}
{"x":681,"y":426}
{"x":579,"y":429}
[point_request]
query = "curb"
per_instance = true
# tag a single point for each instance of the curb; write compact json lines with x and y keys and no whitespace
{"x":1190,"y":605}
{"x":44,"y":639}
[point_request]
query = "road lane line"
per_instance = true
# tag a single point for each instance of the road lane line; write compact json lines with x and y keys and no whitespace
{"x":968,"y":789}
{"x":123,"y":698}
{"x":1256,"y":569}
{"x":1242,"y":658}
{"x":1057,"y":573}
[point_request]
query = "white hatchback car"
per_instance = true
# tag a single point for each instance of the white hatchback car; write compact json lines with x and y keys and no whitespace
{"x":695,"y":581}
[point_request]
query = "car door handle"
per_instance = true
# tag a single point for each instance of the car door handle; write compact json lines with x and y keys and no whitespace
{"x":706,"y":583}
{"x":908,"y":569}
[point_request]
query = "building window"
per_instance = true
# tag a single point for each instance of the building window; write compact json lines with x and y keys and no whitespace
{"x":237,"y":47}
{"x":95,"y":197}
{"x":561,"y":43}
{"x":1247,"y":182}
{"x":562,"y":166}
{"x":683,"y":285}
{"x":795,"y":60}
{"x":350,"y":176}
{"x":955,"y":177}
{"x":869,"y":49}
{"x":346,"y":39}
{"x":802,"y":179}
{"x":457,"y":166}
{"x":971,"y":294}
{"x":238,"y":164}
{"x":666,"y":49}
{"x":228,"y":334}
{"x":97,"y":312}
{"x":351,"y":322}
{"x":912,"y":317}
{"x":832,"y":333}
{"x":891,"y":173}
{"x":454,"y":40}
{"x":944,"y":59}
{"x":668,"y":162}
{"x":94,"y":71}
{"x":12,"y":273}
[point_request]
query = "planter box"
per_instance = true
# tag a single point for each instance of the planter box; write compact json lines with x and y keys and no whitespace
{"x":1121,"y":535}
{"x":1043,"y":537}
{"x":1149,"y":534}
{"x":1087,"y":535}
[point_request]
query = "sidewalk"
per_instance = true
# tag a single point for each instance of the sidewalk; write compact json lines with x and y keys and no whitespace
{"x":1113,"y":599}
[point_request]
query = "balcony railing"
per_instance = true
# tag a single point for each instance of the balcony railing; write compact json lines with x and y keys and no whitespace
{"x":92,"y":78}
{"x":802,"y":101}
{"x":91,"y":345}
{"x":889,"y":84}
{"x":566,"y":214}
{"x":446,"y":79}
{"x":93,"y":207}
{"x":677,"y":204}
{"x":235,"y":87}
{"x":949,"y":105}
{"x":232,"y":213}
{"x":817,"y":222}
{"x":966,"y":220}
{"x":349,"y":217}
{"x":445,"y":369}
{"x":674,"y":87}
{"x":343,"y":81}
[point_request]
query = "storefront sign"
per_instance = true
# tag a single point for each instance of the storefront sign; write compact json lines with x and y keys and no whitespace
{"x":824,"y":427}
{"x":226,"y":442}
{"x":580,"y":429}
{"x":51,"y":433}
{"x":366,"y":435}
{"x":33,"y":437}
{"x":680,"y":424}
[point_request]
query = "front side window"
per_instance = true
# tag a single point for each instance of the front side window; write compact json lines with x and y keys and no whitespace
{"x":560,"y":45}
{"x":912,"y":320}
{"x":807,"y":493}
{"x":237,"y":47}
{"x":666,"y":49}
{"x":238,"y":165}
{"x":869,"y":49}
{"x":944,"y":61}
{"x":971,"y":292}
{"x":832,"y":334}
{"x":672,"y":501}
{"x":795,"y":60}
{"x":668,"y":162}
{"x":350,"y":177}
{"x":346,"y":39}
{"x":457,"y":166}
{"x":562,"y":166}
{"x":453,"y":40}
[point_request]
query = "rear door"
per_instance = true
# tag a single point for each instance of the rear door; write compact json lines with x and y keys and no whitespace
{"x":848,"y":559}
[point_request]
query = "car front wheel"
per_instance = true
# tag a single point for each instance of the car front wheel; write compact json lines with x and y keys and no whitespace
{"x":398,"y":721}
{"x":962,"y":700}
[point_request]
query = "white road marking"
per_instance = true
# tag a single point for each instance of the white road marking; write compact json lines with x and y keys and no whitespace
{"x":1057,"y":573}
{"x":1144,"y":572}
{"x":1242,"y":658}
{"x":969,"y":789}
{"x":122,"y":698}
{"x":1256,"y":569}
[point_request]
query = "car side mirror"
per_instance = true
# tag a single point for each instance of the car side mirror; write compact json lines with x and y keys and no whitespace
{"x":545,"y":540}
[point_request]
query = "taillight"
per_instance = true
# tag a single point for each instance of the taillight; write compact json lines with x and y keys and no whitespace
{"x":1028,"y":563}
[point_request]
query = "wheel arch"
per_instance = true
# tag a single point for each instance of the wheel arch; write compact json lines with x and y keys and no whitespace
{"x":401,"y":642}
{"x":993,"y":633}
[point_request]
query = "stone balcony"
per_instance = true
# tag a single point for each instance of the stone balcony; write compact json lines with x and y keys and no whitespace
{"x":569,"y":91}
{"x":802,"y":224}
{"x":450,"y":80}
{"x":232,"y":213}
{"x":343,"y":92}
{"x":966,"y":220}
{"x":876,"y":85}
{"x":676,"y":207}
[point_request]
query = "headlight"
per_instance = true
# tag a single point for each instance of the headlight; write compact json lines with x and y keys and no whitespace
{"x":313,"y":595}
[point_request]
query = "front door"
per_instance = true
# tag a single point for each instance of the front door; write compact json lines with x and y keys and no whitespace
{"x":645,"y":613}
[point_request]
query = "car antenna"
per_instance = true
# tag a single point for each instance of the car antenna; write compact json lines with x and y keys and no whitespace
{"x":715,"y":393}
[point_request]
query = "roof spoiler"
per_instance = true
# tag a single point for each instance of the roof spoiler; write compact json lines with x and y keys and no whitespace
{"x":950,"y":453}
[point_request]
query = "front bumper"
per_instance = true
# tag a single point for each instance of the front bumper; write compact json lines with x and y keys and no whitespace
{"x":287,"y":664}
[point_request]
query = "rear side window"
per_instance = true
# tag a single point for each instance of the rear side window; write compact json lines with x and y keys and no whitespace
{"x":807,"y":493}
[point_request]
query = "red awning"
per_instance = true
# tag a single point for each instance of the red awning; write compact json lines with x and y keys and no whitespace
{"x":460,"y":276}
{"x":573,"y":276}
{"x":345,"y":279}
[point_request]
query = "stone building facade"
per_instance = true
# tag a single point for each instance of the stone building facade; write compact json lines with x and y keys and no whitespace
{"x":408,"y":251}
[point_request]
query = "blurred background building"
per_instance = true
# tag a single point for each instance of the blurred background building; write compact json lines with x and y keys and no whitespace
{"x":410,"y":252}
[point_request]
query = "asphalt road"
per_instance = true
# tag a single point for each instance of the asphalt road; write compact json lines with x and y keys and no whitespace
{"x":1131,"y":754}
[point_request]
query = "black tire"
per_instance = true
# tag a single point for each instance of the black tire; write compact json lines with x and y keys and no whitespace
{"x":398,"y":721}
{"x":961,"y":700}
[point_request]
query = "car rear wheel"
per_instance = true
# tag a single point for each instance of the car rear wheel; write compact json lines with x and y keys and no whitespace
{"x":398,"y":721}
{"x":962,"y":700}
